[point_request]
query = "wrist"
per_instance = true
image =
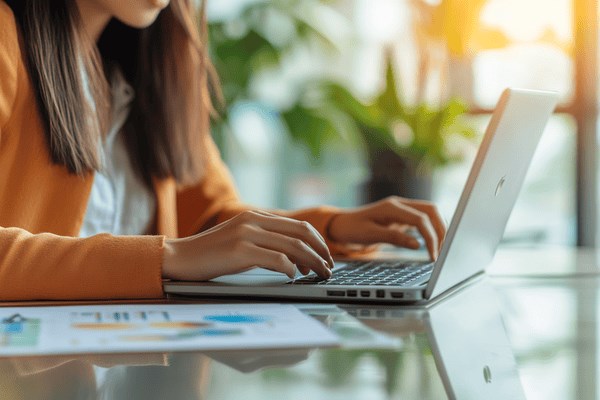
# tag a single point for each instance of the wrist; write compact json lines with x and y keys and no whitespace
{"x":169,"y":258}
{"x":329,"y":231}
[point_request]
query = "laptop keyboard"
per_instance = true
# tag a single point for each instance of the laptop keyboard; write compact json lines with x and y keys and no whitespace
{"x":380,"y":273}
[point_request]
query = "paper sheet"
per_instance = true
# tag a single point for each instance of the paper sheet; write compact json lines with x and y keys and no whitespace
{"x":160,"y":328}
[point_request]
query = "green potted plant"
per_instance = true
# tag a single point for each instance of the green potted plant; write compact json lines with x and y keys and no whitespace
{"x":405,"y":141}
{"x":402,"y":143}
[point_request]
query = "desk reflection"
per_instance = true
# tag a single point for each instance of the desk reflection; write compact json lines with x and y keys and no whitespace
{"x":456,"y":348}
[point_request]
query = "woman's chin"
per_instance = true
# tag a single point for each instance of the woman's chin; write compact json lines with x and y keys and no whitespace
{"x":142,"y":20}
{"x":160,"y":3}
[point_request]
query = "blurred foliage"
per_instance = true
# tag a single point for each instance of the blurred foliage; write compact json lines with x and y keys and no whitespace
{"x":242,"y":47}
{"x":324,"y":111}
{"x":420,"y":132}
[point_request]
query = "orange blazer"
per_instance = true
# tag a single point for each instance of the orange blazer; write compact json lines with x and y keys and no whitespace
{"x":42,"y":207}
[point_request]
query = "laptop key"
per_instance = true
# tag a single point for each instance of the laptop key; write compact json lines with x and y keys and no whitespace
{"x":373,"y":273}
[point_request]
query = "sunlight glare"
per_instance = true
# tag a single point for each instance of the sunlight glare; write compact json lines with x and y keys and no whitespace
{"x":526,"y":20}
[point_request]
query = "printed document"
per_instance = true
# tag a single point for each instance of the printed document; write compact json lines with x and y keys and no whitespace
{"x":157,"y":328}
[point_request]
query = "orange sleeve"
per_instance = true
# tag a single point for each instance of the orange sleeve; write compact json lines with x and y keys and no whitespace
{"x":47,"y":266}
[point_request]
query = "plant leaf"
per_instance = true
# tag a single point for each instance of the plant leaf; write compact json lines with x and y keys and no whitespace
{"x":388,"y":102}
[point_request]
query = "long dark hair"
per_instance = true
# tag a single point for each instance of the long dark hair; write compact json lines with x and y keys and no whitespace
{"x":167,"y":64}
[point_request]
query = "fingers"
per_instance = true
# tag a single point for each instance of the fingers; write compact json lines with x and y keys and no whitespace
{"x":296,"y":250}
{"x":421,"y":221}
{"x":298,"y":241}
{"x":296,"y":229}
{"x":269,"y":214}
{"x":303,"y":270}
{"x":244,"y":242}
{"x":395,"y":235}
{"x":396,"y":211}
{"x":434,"y":216}
{"x":280,"y":262}
{"x":270,"y":259}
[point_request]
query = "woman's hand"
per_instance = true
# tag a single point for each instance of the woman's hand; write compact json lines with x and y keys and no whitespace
{"x":251,"y":239}
{"x":386,"y":221}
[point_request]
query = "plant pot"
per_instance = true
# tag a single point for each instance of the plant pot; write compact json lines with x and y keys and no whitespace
{"x":393,"y":175}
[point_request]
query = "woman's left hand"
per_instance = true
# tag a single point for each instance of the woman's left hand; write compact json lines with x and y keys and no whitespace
{"x":386,"y":221}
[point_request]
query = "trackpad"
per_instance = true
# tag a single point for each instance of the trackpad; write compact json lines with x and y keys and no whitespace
{"x":256,"y":276}
{"x":262,"y":277}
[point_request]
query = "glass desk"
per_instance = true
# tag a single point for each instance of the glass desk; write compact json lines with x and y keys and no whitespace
{"x":528,"y":330}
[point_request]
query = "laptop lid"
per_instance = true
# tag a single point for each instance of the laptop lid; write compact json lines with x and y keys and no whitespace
{"x":492,"y":187}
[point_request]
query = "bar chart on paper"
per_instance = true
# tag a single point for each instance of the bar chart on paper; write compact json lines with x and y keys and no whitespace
{"x":135,"y":328}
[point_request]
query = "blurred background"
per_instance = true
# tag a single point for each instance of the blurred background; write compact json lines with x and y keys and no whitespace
{"x":344,"y":101}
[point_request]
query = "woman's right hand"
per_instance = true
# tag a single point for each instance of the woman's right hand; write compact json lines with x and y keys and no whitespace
{"x":250,"y":239}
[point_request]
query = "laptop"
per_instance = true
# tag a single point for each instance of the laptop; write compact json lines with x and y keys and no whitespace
{"x":476,"y":228}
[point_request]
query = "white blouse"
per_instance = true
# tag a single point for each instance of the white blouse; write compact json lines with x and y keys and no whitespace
{"x":120,"y":203}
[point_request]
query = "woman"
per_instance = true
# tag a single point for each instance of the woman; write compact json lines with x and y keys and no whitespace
{"x":109,"y":180}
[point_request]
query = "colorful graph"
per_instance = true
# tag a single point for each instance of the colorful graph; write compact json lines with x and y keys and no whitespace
{"x":19,"y":332}
{"x":237,"y":318}
{"x":182,"y":335}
